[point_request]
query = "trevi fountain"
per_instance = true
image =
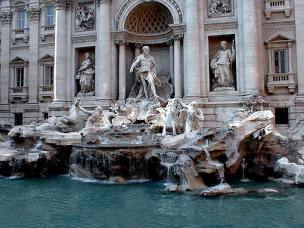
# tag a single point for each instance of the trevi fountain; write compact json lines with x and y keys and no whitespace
{"x":162,"y":153}
{"x":158,"y":139}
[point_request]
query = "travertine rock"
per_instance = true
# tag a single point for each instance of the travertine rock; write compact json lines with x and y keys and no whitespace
{"x":290,"y":171}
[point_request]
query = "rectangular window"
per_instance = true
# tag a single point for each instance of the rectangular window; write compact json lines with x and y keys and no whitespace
{"x":50,"y":16}
{"x":49,"y":75}
{"x":281,"y":61}
{"x":21,"y":19}
{"x":18,"y":119}
{"x":19,"y":77}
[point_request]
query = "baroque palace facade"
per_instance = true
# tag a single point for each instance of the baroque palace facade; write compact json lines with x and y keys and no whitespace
{"x":212,"y":51}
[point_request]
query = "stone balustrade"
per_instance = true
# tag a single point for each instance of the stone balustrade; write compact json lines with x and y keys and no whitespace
{"x":272,"y":6}
{"x":19,"y":93}
{"x":281,"y":80}
{"x":45,"y":93}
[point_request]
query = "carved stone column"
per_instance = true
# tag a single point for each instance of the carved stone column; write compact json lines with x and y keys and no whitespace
{"x":251,"y":57}
{"x":103,"y":51}
{"x":171,"y":50}
{"x":177,"y":36}
{"x":299,"y":19}
{"x":177,"y":69}
{"x":33,"y":18}
{"x":60,"y":71}
{"x":5,"y":17}
{"x":192,"y":51}
{"x":122,"y":71}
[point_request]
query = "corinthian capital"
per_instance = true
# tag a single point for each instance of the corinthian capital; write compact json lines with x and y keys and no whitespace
{"x":5,"y":17}
{"x":99,"y":2}
{"x":62,"y":4}
{"x":33,"y":13}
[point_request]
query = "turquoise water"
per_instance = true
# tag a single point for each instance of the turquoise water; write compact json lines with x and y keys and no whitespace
{"x":63,"y":202}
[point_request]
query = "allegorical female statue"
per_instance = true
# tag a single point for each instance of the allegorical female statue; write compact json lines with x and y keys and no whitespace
{"x":85,"y":75}
{"x":221,"y":65}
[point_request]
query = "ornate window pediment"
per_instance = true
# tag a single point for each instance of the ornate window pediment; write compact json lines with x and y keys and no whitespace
{"x":279,"y":39}
{"x":47,"y":58}
{"x":280,"y":68}
{"x":18,"y":60}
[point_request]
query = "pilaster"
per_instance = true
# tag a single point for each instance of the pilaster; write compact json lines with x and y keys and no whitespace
{"x":299,"y":20}
{"x":251,"y":46}
{"x":192,"y":51}
{"x":33,"y":18}
{"x":103,"y":51}
{"x":5,"y":17}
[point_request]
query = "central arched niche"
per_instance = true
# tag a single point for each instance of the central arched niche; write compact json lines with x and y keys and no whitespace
{"x":149,"y":18}
{"x":149,"y":24}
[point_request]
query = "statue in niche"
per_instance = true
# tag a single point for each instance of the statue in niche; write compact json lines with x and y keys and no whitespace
{"x":145,"y":75}
{"x":85,"y":17}
{"x":85,"y":75}
{"x":219,"y":8}
{"x":221,"y":65}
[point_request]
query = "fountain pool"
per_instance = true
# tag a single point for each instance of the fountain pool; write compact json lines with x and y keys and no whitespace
{"x":64,"y":202}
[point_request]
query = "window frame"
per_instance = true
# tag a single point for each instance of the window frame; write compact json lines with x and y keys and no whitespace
{"x":48,"y":80}
{"x":48,"y":16}
{"x":19,"y":83}
{"x":279,"y":60}
{"x":22,"y":26}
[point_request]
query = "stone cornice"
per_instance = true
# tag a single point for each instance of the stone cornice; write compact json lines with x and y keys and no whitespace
{"x":6,"y":16}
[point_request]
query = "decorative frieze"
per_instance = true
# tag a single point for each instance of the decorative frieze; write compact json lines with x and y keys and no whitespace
{"x":221,"y":26}
{"x":85,"y":17}
{"x":220,"y":8}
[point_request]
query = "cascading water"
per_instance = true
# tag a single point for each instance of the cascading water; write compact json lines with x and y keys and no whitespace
{"x":297,"y":175}
{"x":168,"y":160}
{"x":244,"y":165}
{"x":219,"y":166}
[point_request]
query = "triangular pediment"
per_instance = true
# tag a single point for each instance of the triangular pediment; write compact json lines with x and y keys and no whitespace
{"x":18,"y":60}
{"x":47,"y":57}
{"x":279,"y":38}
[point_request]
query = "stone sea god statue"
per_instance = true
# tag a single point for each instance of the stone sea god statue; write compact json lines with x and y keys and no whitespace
{"x":145,"y":75}
{"x":221,"y":65}
{"x":85,"y":75}
{"x":85,"y":17}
